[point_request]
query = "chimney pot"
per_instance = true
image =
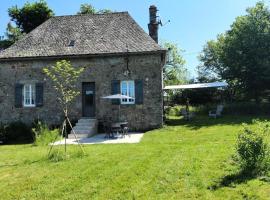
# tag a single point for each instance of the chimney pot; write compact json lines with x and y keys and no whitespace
{"x":153,"y":24}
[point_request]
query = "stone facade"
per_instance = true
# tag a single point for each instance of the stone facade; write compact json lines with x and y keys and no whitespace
{"x":101,"y":70}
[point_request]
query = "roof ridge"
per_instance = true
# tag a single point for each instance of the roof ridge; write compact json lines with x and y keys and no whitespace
{"x":112,"y":13}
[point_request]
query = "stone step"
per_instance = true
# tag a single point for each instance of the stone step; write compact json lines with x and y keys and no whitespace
{"x":84,"y":131}
{"x":87,"y":121}
{"x":83,"y":127}
{"x":79,"y":136}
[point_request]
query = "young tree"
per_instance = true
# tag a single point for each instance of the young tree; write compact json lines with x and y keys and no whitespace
{"x":30,"y":15}
{"x":64,"y":77}
{"x":241,"y":56}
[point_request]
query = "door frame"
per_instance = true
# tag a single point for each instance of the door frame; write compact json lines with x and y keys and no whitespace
{"x":83,"y":100}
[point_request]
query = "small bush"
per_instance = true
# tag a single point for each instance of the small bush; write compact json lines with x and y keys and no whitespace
{"x":57,"y":156}
{"x":18,"y":132}
{"x":43,"y":135}
{"x":253,"y":148}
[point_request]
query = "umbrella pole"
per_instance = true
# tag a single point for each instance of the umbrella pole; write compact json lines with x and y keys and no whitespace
{"x":119,"y":111}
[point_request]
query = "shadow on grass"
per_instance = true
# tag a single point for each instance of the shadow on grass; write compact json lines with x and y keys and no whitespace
{"x":25,"y":162}
{"x":203,"y":121}
{"x":232,"y":180}
{"x":16,"y":142}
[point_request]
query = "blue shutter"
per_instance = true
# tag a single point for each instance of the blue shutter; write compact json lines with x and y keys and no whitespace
{"x":18,"y":95}
{"x":115,"y":90}
{"x":39,"y":94}
{"x":139,"y":91}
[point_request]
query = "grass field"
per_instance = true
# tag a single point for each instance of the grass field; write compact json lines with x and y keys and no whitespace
{"x":184,"y":160}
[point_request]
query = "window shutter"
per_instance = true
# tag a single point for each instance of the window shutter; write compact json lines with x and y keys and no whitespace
{"x":39,"y":94}
{"x":139,"y":91}
{"x":18,"y":95}
{"x":115,"y":90}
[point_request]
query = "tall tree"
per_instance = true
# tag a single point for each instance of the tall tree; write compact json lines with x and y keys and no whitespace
{"x":12,"y":35}
{"x":174,"y":71}
{"x":30,"y":15}
{"x":242,"y":55}
{"x":89,"y":9}
{"x":86,"y":9}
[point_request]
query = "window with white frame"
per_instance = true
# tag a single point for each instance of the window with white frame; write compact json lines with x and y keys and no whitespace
{"x":128,"y":89}
{"x":29,"y":95}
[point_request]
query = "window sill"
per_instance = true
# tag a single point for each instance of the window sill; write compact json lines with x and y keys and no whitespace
{"x":32,"y":106}
{"x":127,"y":103}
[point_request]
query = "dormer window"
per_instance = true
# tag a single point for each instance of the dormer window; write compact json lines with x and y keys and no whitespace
{"x":71,"y":43}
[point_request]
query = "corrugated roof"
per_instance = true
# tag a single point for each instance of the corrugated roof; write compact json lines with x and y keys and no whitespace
{"x":91,"y":34}
{"x":197,"y":86}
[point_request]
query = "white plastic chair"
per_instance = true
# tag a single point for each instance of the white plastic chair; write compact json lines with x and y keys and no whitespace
{"x":217,"y":112}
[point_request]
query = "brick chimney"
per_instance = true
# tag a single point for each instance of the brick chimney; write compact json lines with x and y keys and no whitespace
{"x":153,"y":25}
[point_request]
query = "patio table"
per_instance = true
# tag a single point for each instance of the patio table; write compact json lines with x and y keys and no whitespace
{"x":117,"y":126}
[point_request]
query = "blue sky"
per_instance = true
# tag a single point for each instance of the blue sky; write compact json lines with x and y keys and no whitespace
{"x":193,"y":22}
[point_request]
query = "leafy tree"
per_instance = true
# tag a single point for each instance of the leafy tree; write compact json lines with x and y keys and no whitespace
{"x":174,"y":70}
{"x":64,"y":77}
{"x":30,"y":15}
{"x":105,"y":11}
{"x":89,"y":9}
{"x":86,"y":9}
{"x":5,"y":44}
{"x":13,"y":33}
{"x":241,"y":55}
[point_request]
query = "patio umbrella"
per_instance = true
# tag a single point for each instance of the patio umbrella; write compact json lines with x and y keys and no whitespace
{"x":117,"y":96}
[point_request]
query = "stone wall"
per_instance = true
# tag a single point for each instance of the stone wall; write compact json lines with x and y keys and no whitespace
{"x":101,"y":70}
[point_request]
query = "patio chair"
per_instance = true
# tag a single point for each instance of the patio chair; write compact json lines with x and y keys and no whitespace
{"x":216,"y":113}
{"x":125,"y":130}
{"x":108,"y":129}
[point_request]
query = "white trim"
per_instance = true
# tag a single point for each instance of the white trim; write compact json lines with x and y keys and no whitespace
{"x":128,"y":101}
{"x":31,"y":96}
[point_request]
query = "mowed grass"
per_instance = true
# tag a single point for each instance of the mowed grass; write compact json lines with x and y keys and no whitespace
{"x":183,"y":160}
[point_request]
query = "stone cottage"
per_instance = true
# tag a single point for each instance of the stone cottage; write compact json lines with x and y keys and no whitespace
{"x":118,"y":56}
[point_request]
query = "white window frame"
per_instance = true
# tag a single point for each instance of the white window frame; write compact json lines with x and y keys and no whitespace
{"x":32,"y":95}
{"x":128,"y":101}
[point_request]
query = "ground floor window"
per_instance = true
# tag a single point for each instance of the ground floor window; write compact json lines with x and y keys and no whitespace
{"x":128,"y":89}
{"x":29,"y":95}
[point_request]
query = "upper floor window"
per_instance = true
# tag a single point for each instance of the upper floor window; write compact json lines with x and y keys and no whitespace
{"x":29,"y":95}
{"x":128,"y":89}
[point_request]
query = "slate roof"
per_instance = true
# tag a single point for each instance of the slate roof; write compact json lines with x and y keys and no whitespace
{"x":92,"y":35}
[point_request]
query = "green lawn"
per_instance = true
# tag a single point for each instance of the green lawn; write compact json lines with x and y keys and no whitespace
{"x":184,"y":160}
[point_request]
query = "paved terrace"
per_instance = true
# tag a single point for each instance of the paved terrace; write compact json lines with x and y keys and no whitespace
{"x":100,"y":139}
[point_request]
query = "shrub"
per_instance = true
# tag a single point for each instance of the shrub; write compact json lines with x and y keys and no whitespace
{"x":253,"y":148}
{"x":57,"y":156}
{"x":18,"y":132}
{"x":43,"y":135}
